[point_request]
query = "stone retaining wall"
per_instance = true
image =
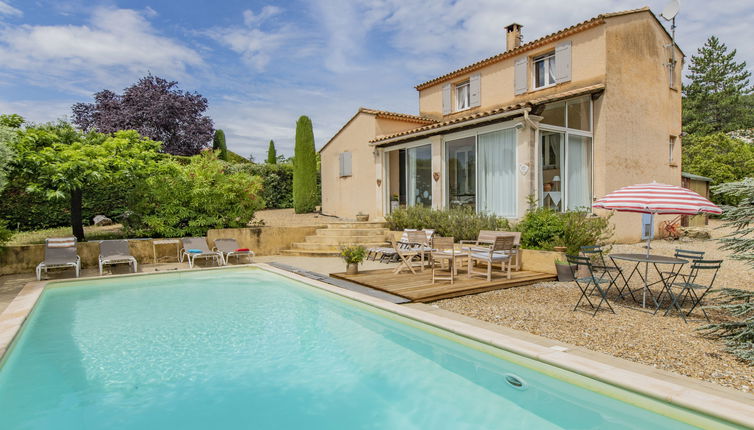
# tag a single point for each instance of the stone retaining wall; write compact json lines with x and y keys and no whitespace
{"x":262,"y":240}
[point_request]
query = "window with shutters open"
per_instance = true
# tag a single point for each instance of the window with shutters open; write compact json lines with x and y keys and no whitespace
{"x":544,"y":70}
{"x":345,"y":164}
{"x":463,"y":100}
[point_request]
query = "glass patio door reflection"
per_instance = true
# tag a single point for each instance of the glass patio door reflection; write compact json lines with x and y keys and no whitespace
{"x":461,"y":164}
{"x":419,"y":176}
{"x":552,"y":153}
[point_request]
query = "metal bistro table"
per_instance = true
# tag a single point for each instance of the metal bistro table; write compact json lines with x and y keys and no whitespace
{"x":647,"y":260}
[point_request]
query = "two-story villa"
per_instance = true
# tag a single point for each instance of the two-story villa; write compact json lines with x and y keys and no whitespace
{"x":565,"y":118}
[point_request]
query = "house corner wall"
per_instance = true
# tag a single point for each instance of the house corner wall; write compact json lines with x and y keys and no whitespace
{"x":345,"y":196}
{"x":637,"y":113}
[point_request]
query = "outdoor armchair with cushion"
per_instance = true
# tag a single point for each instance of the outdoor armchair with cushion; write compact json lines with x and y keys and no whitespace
{"x":115,"y":252}
{"x":501,"y":251}
{"x":229,"y":248}
{"x":60,"y":252}
{"x":196,"y":247}
{"x":487,"y":237}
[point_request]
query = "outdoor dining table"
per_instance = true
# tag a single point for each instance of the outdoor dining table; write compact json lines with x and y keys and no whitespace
{"x":647,"y":260}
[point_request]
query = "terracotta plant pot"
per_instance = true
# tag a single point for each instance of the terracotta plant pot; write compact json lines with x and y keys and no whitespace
{"x":352,"y":268}
{"x":559,"y":248}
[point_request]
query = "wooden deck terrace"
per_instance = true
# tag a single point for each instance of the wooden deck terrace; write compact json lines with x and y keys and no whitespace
{"x":419,"y":287}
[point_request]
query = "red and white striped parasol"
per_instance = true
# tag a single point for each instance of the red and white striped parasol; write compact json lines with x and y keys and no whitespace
{"x":657,"y":198}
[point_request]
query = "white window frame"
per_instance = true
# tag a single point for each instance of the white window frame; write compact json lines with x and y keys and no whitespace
{"x":671,"y":149}
{"x":544,"y":58}
{"x":475,"y":132}
{"x":564,"y":154}
{"x":465,"y":102}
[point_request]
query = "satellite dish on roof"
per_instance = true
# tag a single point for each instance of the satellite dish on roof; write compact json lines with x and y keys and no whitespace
{"x":671,"y":10}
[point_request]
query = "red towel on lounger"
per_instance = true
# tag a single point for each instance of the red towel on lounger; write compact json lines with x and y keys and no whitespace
{"x":242,"y":250}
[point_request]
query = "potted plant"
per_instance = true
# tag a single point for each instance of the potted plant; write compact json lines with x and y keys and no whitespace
{"x":353,"y":255}
{"x":361,"y":217}
{"x":564,"y":270}
{"x":394,"y":202}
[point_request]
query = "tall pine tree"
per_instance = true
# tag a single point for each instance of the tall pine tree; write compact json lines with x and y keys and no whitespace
{"x":716,"y":99}
{"x":305,"y":196}
{"x":272,"y":154}
{"x":218,"y":143}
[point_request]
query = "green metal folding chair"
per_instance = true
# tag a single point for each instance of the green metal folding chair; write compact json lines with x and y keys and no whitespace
{"x":588,"y":284}
{"x":694,"y":287}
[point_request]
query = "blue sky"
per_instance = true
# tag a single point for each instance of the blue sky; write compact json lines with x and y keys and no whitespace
{"x":262,"y":64}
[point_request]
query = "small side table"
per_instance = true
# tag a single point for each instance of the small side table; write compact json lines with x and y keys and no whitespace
{"x":175,"y":242}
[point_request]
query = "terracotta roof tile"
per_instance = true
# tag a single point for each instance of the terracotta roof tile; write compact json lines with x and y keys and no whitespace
{"x":599,"y":19}
{"x":395,"y":115}
{"x":527,"y":103}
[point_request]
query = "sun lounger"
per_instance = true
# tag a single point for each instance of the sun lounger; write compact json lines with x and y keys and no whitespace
{"x":115,"y":252}
{"x":196,"y":247}
{"x":229,"y":248}
{"x":60,"y":252}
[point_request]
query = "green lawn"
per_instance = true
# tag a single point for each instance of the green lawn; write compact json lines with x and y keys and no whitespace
{"x":92,"y":233}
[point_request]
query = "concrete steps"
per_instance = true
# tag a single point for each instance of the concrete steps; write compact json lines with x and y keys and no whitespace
{"x":327,"y":242}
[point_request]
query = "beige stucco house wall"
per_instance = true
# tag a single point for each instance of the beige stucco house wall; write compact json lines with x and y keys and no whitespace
{"x":618,"y":64}
{"x":345,"y":196}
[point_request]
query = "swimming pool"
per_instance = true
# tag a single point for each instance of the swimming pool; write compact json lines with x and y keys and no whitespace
{"x":246,"y":348}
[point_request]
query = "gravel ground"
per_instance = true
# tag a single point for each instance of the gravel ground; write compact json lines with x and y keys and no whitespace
{"x":546,"y":309}
{"x":288,"y":218}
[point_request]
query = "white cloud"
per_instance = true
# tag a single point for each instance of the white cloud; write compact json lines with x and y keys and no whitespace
{"x":254,"y":44}
{"x":117,"y":46}
{"x":6,"y":9}
{"x":250,"y":18}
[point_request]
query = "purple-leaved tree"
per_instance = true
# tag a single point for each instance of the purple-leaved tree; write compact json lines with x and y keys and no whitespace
{"x":154,"y":107}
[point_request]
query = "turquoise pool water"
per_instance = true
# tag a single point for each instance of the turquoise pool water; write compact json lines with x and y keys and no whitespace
{"x":245,"y":348}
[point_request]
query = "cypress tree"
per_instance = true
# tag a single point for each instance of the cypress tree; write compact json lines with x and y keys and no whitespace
{"x":272,"y":154}
{"x":305,"y":196}
{"x":716,"y":98}
{"x":218,"y":143}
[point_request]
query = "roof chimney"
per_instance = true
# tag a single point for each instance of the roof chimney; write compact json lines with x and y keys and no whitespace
{"x":512,"y":36}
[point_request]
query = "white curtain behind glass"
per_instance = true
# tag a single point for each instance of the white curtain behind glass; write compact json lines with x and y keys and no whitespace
{"x":411,"y":176}
{"x":496,"y":179}
{"x":579,"y":174}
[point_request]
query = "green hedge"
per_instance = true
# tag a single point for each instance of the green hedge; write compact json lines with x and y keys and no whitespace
{"x":26,"y":211}
{"x":459,"y":223}
{"x":277,"y":182}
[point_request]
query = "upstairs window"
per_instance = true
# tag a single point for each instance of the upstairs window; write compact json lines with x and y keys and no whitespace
{"x":463,"y":96}
{"x":544,"y":70}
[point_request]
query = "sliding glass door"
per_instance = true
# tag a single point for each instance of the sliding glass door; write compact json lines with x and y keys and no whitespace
{"x":496,"y":179}
{"x":460,"y":155}
{"x":565,"y":171}
{"x":566,"y":155}
{"x":579,"y":173}
{"x":419,"y":176}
